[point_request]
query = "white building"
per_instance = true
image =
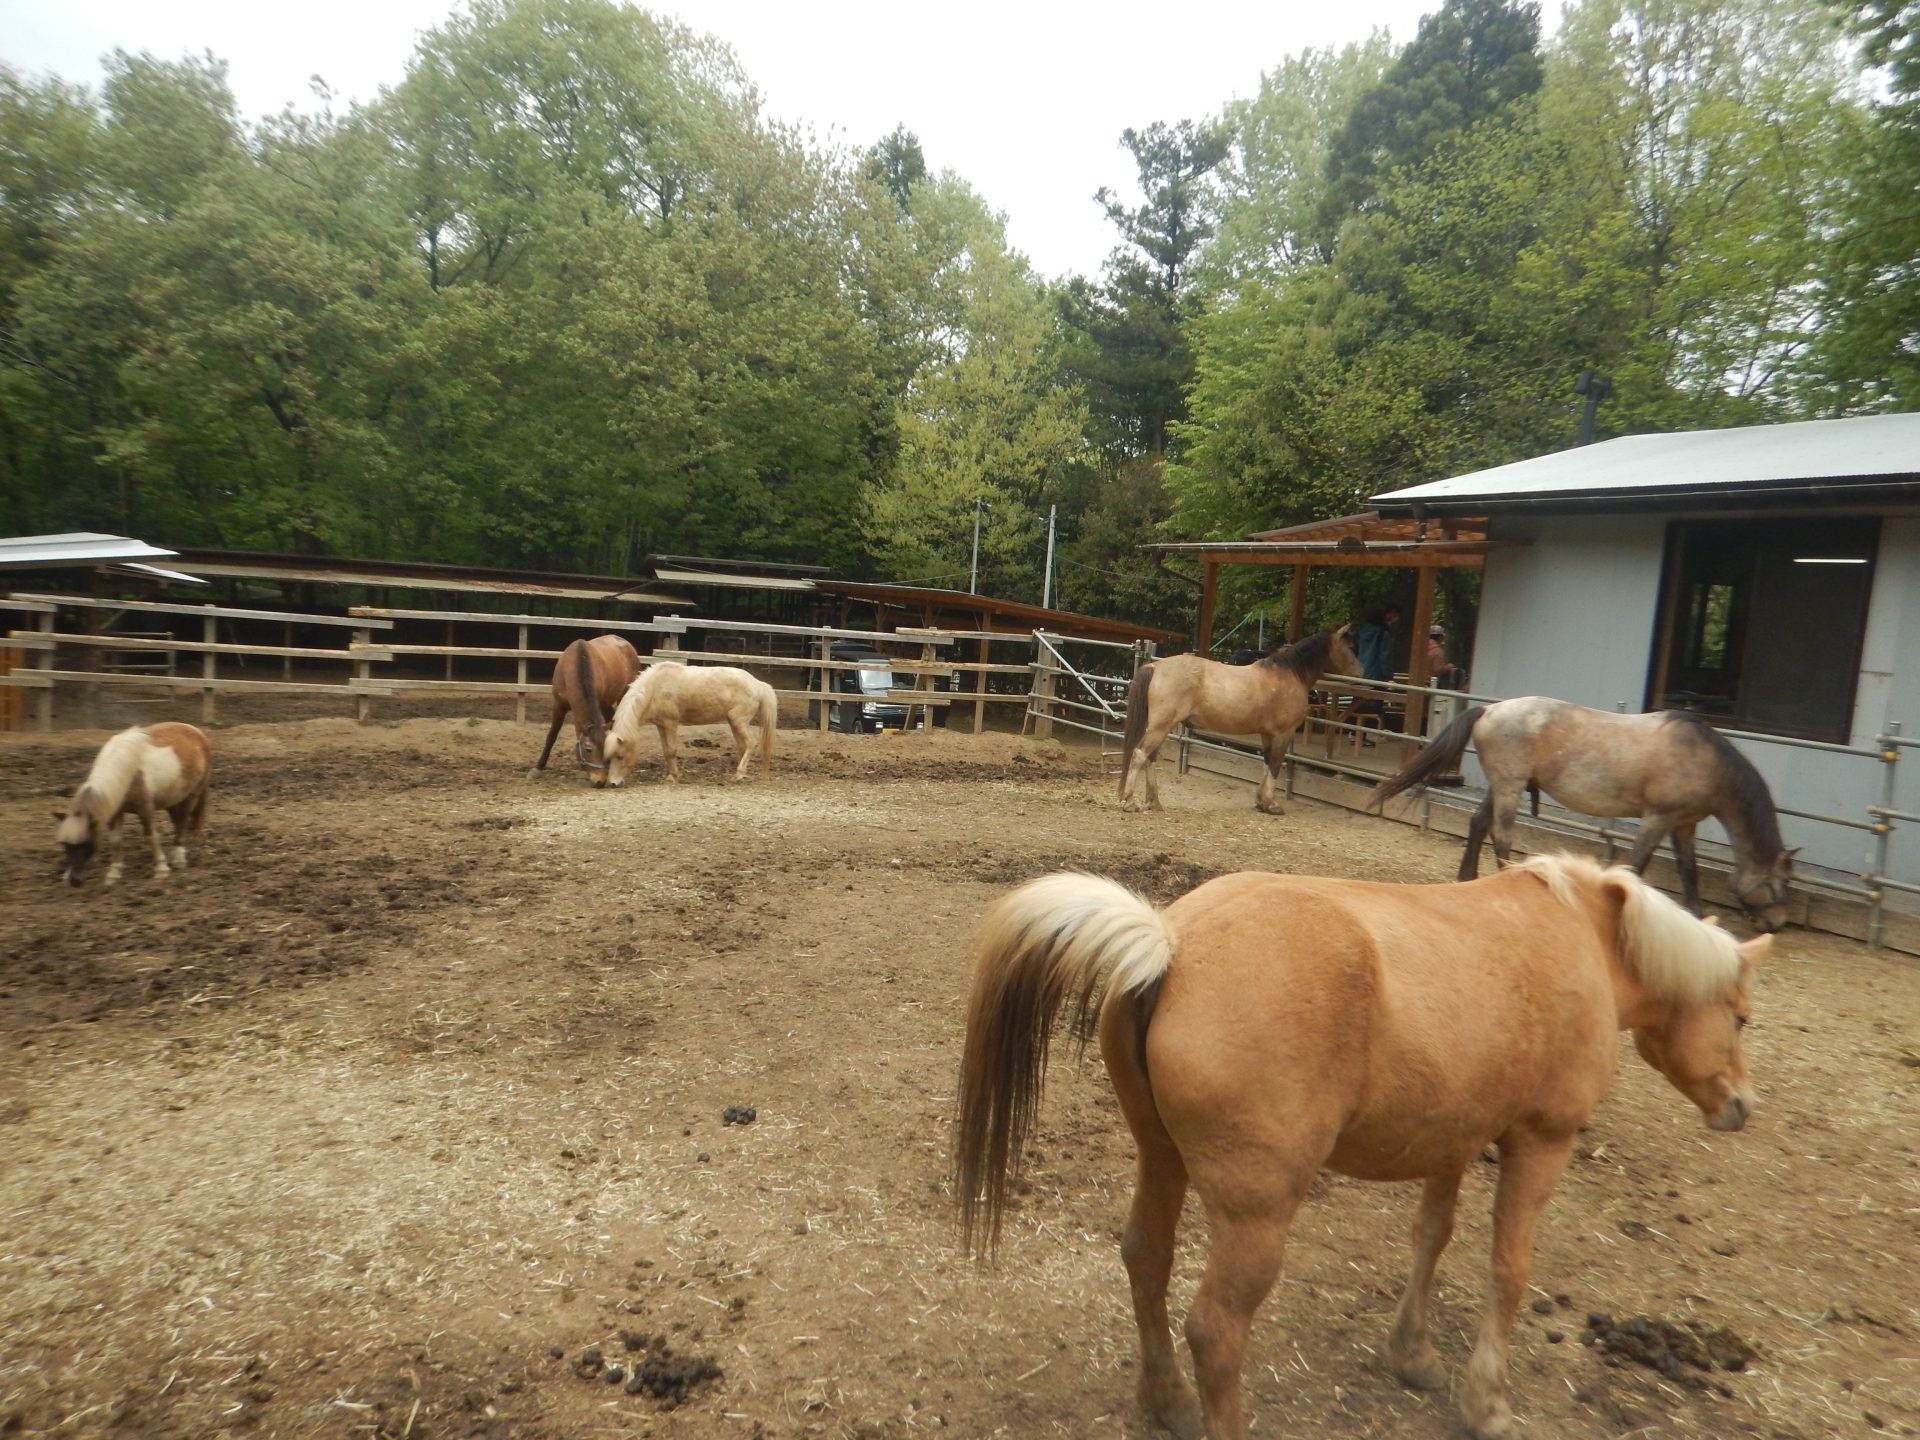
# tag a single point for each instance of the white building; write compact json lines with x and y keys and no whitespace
{"x":1768,"y":577}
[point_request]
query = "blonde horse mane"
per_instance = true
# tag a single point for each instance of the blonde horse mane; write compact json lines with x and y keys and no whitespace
{"x":1673,"y":953}
{"x":106,"y":785}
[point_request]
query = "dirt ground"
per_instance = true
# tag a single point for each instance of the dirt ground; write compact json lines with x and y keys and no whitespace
{"x":413,"y":1089}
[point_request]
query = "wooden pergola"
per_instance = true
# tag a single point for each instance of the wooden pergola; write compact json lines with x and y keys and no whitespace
{"x":1425,"y":546}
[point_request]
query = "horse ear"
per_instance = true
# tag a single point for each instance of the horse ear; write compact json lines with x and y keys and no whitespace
{"x":1753,"y":951}
{"x":1713,"y":920}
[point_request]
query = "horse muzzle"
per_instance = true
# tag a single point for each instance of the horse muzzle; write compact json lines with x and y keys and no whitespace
{"x":1733,"y":1115}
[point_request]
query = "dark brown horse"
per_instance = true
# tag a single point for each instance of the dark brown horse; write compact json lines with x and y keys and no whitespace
{"x":1267,"y":698}
{"x":588,"y":680}
{"x":1671,"y":769}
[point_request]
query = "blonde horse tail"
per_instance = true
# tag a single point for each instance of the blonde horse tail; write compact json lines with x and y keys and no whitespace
{"x":1136,"y":722}
{"x":1061,"y":940}
{"x":1438,"y":756}
{"x":769,"y":722}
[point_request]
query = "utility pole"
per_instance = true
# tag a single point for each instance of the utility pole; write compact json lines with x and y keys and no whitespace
{"x":1596,"y":387}
{"x":1046,"y":580}
{"x":973,"y":580}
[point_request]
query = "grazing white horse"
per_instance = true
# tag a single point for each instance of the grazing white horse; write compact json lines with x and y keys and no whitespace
{"x":142,"y":770}
{"x":667,"y":696}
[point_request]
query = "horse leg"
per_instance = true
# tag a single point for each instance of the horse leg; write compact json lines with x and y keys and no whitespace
{"x":1242,"y":1264}
{"x":1146,"y":1245}
{"x":1530,"y":1166}
{"x":1263,"y":800}
{"x":110,"y":843}
{"x":1476,"y":837}
{"x":1653,"y":829}
{"x":1409,"y":1349}
{"x":741,"y":748}
{"x":1140,"y":784}
{"x":1506,"y":809}
{"x":182,"y":817}
{"x":669,"y":748}
{"x":553,"y":731}
{"x":1688,"y":865}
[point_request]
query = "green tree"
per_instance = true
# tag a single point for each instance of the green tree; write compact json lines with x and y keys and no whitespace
{"x":1868,"y":346}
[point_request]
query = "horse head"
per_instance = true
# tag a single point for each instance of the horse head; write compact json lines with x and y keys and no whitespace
{"x":590,"y":749}
{"x":77,"y":836}
{"x":1341,"y":659}
{"x":620,"y":745}
{"x":1695,"y":1043}
{"x":1761,"y":888}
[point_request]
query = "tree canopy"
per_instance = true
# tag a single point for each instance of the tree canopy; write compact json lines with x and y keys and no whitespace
{"x":564,"y":295}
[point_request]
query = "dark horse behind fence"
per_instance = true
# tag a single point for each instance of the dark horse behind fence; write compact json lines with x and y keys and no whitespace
{"x":1669,"y":768}
{"x":588,"y":680}
{"x":1267,"y":698}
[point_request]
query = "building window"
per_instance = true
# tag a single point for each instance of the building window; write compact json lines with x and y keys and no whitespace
{"x":1763,"y":620}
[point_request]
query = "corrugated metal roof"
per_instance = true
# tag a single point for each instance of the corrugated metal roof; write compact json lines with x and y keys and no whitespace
{"x":1867,"y":451}
{"x":736,"y":581}
{"x":80,"y":547}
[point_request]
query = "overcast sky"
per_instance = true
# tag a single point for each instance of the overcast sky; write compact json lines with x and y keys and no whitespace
{"x":1025,"y":100}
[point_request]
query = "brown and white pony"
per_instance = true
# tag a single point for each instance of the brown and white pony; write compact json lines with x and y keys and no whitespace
{"x":1265,"y":1026}
{"x":1268,"y":698}
{"x":670,"y":695}
{"x":588,"y":680}
{"x":139,"y":771}
{"x":1671,"y":769}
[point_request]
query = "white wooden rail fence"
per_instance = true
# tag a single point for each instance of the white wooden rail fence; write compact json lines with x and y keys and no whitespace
{"x":370,"y":660}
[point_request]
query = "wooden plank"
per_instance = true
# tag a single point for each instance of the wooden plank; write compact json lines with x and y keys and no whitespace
{"x":936,"y":637}
{"x":801,"y":662}
{"x":109,"y":641}
{"x":219,"y":612}
{"x":28,"y":640}
{"x":26,"y":680}
{"x":379,"y":651}
{"x":194,"y":682}
{"x":659,"y":625}
{"x":33,"y":607}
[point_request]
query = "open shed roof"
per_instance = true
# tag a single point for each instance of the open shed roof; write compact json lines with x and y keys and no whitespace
{"x":1865,"y":459}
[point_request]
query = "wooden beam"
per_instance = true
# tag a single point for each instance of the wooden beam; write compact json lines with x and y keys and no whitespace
{"x":1203,"y":625}
{"x":1418,"y":671}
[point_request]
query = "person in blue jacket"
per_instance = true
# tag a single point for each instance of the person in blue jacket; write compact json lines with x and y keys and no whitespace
{"x":1373,"y":639}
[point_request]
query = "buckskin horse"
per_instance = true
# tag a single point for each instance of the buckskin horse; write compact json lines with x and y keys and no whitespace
{"x":165,"y":766}
{"x":668,"y":696}
{"x":588,"y":680}
{"x":1671,"y":769}
{"x":1265,"y":1026}
{"x":1268,"y":698}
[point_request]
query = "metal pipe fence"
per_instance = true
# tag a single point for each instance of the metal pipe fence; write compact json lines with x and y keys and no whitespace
{"x":1870,"y":886}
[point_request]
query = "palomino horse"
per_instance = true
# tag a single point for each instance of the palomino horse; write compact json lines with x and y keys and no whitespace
{"x":1670,"y":768}
{"x":668,"y":696}
{"x":1265,"y":1026}
{"x":588,"y":680}
{"x":142,"y":770}
{"x":1267,"y":698}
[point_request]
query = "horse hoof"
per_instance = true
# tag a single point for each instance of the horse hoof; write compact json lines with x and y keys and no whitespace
{"x":179,"y":857}
{"x":1421,"y":1372}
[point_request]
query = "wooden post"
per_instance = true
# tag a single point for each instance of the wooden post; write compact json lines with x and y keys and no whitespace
{"x":210,"y":632}
{"x":827,"y":678}
{"x":1043,"y":690}
{"x":1203,"y":625}
{"x":980,"y":685}
{"x":520,"y":697}
{"x":362,"y":671}
{"x":1418,"y":671}
{"x":286,"y":639}
{"x":523,"y":645}
{"x":1297,"y":605}
{"x":44,"y":703}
